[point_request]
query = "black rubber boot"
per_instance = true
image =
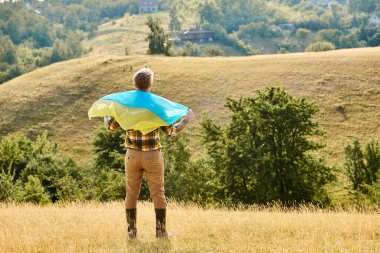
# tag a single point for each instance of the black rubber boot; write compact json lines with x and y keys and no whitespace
{"x":161,"y":224}
{"x":131,"y":220}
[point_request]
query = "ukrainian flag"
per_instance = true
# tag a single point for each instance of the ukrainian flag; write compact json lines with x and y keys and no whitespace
{"x":138,"y":110}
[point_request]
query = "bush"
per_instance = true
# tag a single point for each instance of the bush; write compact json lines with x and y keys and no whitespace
{"x":34,"y":191}
{"x":303,"y":35}
{"x":264,"y":155}
{"x":260,"y":29}
{"x":191,"y":49}
{"x":313,"y":24}
{"x":68,"y":49}
{"x":185,"y":180}
{"x":109,"y":149}
{"x":221,"y":35}
{"x":374,"y":41}
{"x":348,"y":41}
{"x":110,"y":185}
{"x":214,"y":51}
{"x":330,"y":35}
{"x":362,"y":168}
{"x":10,"y":190}
{"x":33,"y":171}
{"x":320,"y":46}
{"x":7,"y":50}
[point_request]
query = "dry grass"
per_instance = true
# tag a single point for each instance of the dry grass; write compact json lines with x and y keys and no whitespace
{"x":102,"y":228}
{"x":130,"y":31}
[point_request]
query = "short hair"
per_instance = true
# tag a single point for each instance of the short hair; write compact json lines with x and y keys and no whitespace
{"x":143,"y":79}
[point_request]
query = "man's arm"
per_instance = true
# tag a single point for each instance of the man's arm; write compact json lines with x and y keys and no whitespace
{"x":111,"y":124}
{"x":178,"y":127}
{"x":168,"y":130}
{"x":174,"y":129}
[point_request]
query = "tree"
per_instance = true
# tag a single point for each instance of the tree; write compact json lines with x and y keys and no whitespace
{"x":7,"y":50}
{"x":109,"y":149}
{"x":372,"y":157}
{"x":374,"y":41}
{"x":354,"y":164}
{"x":175,"y":23}
{"x":68,"y":49}
{"x":303,"y":35}
{"x":71,"y":20}
{"x":348,"y":41}
{"x":15,"y":28}
{"x":91,"y":32}
{"x":362,"y":168}
{"x":159,"y":42}
{"x":210,"y":12}
{"x":362,"y":5}
{"x":333,"y":18}
{"x":33,"y":171}
{"x":330,"y":35}
{"x":185,"y":179}
{"x":264,"y":153}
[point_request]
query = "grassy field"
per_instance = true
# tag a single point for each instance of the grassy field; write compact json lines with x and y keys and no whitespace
{"x":100,"y":227}
{"x":129,"y":32}
{"x":345,"y":84}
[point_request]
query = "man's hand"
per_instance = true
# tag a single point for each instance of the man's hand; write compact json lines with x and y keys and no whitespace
{"x":181,"y":125}
{"x":110,"y":123}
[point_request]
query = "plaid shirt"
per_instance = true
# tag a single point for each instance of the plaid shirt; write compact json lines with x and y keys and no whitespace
{"x":137,"y":140}
{"x":145,"y":142}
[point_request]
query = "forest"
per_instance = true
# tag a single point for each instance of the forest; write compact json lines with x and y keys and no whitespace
{"x":50,"y":31}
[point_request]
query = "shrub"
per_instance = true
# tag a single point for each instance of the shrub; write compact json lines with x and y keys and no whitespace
{"x":374,"y":41}
{"x":362,"y":168}
{"x":110,"y":185}
{"x":303,"y":35}
{"x":264,"y":155}
{"x":320,"y":46}
{"x":34,"y":191}
{"x":214,"y":51}
{"x":158,"y":41}
{"x":26,"y":166}
{"x":10,"y":190}
{"x":191,"y":49}
{"x":259,"y":29}
{"x":180,"y":170}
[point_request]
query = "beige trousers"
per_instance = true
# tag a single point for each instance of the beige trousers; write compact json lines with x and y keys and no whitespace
{"x":152,"y":163}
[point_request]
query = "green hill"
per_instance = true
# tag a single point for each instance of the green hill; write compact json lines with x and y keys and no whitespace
{"x":345,"y":84}
{"x":112,"y":38}
{"x":129,"y":34}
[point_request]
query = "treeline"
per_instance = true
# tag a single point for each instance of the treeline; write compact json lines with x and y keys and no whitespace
{"x":46,"y":32}
{"x":257,"y":26}
{"x":265,"y":153}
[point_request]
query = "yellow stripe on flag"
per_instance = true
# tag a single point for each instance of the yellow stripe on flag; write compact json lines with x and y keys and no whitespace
{"x":128,"y":117}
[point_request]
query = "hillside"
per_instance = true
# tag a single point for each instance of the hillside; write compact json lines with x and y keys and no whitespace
{"x":129,"y":33}
{"x":345,"y":84}
{"x":101,"y":227}
{"x":112,"y":38}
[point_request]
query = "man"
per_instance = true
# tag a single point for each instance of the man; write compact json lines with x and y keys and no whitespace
{"x":144,"y":155}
